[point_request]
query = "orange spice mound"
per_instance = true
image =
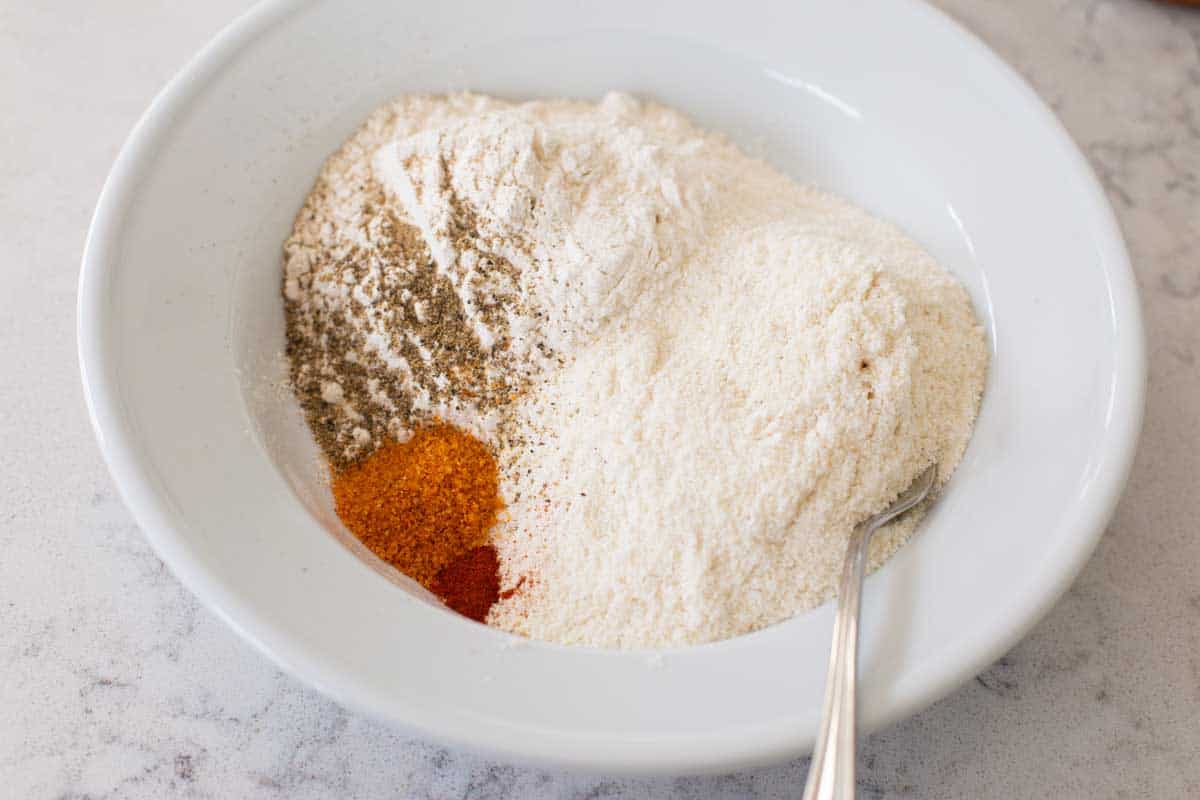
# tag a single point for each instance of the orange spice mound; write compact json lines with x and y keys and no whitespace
{"x":421,"y":504}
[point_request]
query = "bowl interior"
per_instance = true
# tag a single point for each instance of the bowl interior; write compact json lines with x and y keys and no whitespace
{"x":181,"y":336}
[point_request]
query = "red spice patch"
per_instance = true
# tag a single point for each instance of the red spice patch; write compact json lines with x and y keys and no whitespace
{"x":470,"y":584}
{"x":507,"y":593}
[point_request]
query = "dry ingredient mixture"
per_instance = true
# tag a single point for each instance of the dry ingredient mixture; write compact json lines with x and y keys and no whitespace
{"x":694,"y":375}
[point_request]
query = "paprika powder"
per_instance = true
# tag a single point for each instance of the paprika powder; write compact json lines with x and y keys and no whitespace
{"x":425,"y":506}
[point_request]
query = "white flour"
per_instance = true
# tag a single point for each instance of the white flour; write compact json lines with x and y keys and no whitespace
{"x":723,"y":371}
{"x":709,"y":463}
{"x":591,"y":204}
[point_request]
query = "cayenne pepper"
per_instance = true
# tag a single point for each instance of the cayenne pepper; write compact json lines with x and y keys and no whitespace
{"x":425,"y":506}
{"x":470,"y":583}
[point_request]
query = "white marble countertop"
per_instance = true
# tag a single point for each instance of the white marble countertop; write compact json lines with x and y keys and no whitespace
{"x":114,"y":683}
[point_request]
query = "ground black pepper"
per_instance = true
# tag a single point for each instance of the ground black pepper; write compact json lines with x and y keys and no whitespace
{"x":424,"y":321}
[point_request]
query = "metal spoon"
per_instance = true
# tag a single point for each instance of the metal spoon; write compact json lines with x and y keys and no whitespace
{"x":831,"y":772}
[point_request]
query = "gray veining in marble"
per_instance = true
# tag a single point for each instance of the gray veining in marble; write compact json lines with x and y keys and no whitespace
{"x":114,"y":683}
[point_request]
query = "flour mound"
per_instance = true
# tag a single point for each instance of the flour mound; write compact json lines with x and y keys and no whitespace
{"x":708,"y":451}
{"x":587,"y":203}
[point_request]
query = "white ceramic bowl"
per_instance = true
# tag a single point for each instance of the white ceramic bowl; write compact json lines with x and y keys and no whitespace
{"x":890,"y":104}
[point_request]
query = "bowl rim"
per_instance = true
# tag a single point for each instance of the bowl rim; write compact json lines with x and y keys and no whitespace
{"x":704,"y":753}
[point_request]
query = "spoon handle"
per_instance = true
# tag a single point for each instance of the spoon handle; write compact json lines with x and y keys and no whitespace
{"x":831,"y":772}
